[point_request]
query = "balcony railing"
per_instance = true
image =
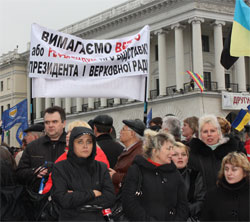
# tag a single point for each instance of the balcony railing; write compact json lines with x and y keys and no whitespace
{"x":233,"y":87}
{"x":124,"y":101}
{"x":154,"y":93}
{"x":97,"y":104}
{"x":110,"y":102}
{"x":73,"y":109}
{"x":170,"y":90}
{"x":210,"y":86}
{"x":84,"y":107}
{"x":248,"y":88}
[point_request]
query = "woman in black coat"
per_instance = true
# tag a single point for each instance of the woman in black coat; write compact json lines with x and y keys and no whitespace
{"x":207,"y":152}
{"x":192,"y":178}
{"x":82,"y":186}
{"x":163,"y":190}
{"x":229,"y":201}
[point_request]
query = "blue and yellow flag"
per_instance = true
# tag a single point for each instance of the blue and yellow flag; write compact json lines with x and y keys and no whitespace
{"x":241,"y":120}
{"x":240,"y":39}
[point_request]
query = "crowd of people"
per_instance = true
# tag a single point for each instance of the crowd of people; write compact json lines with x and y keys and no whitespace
{"x":197,"y":170}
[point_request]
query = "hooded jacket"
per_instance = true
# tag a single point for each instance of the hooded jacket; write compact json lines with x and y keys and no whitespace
{"x":208,"y":161}
{"x":164,"y":195}
{"x":82,"y":176}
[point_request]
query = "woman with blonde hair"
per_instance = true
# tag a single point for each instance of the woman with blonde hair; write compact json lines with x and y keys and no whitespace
{"x":207,"y":151}
{"x":163,"y":190}
{"x":190,"y":128}
{"x":192,"y":178}
{"x":229,"y":201}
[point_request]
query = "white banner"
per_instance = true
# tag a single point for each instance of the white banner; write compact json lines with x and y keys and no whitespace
{"x":235,"y":101}
{"x":63,"y":65}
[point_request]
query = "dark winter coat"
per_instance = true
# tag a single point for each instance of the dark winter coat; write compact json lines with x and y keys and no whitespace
{"x":227,"y":202}
{"x":208,"y":161}
{"x":82,"y":176}
{"x":124,"y":162}
{"x":35,"y":155}
{"x":164,"y":196}
{"x":111,"y":148}
{"x":196,"y":190}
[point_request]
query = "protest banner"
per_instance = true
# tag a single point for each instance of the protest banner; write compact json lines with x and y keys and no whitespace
{"x":62,"y":65}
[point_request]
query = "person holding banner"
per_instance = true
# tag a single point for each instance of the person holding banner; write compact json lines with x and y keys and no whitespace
{"x":46,"y":148}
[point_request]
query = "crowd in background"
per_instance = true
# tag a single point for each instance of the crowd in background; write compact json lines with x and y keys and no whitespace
{"x":195,"y":170}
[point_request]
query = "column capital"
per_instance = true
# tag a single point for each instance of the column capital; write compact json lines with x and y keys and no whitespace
{"x":177,"y":26}
{"x":161,"y":31}
{"x":218,"y":23}
{"x":196,"y":20}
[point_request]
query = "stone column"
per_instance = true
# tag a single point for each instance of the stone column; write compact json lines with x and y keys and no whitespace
{"x":90,"y":103}
{"x":162,"y":63}
{"x":38,"y":108}
{"x":179,"y":55}
{"x":78,"y":105}
{"x":47,"y":103}
{"x":218,"y":47}
{"x":117,"y":101}
{"x":58,"y":102}
{"x":241,"y":74}
{"x":103,"y":102}
{"x":67,"y":105}
{"x":197,"y":45}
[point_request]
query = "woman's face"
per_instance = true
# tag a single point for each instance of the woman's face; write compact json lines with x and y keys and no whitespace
{"x":186,"y":130}
{"x":164,"y":154}
{"x":180,"y":157}
{"x":67,"y":137}
{"x":233,"y":174}
{"x":209,"y":134}
{"x":83,"y":146}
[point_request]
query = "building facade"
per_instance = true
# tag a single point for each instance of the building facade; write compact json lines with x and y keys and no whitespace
{"x":185,"y":35}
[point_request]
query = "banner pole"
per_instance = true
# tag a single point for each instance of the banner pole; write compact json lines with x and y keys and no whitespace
{"x":145,"y":103}
{"x":31,"y":104}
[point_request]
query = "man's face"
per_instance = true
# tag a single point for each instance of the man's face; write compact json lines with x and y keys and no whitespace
{"x":125,"y":134}
{"x":53,"y":125}
{"x":29,"y":137}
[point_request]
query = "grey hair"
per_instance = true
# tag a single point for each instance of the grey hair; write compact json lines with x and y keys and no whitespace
{"x":212,"y":119}
{"x":154,"y":140}
{"x":173,"y":124}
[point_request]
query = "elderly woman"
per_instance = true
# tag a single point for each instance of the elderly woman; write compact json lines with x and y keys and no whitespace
{"x":163,"y":190}
{"x":190,"y":129}
{"x":192,"y":178}
{"x":81,"y":185}
{"x":207,"y":152}
{"x":229,"y":201}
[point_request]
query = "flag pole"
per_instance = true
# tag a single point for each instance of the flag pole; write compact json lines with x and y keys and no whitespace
{"x":145,"y":102}
{"x":31,"y":104}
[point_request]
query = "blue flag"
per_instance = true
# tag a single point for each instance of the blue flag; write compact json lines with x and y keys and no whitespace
{"x":20,"y":132}
{"x":14,"y":115}
{"x":149,"y":117}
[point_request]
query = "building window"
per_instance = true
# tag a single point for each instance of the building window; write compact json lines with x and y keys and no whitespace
{"x":8,"y":83}
{"x":207,"y":81}
{"x":1,"y":86}
{"x":157,"y":86}
{"x":227,"y":80}
{"x":156,"y":53}
{"x":205,"y":43}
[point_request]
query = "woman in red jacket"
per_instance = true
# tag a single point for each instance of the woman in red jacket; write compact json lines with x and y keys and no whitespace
{"x":100,"y":155}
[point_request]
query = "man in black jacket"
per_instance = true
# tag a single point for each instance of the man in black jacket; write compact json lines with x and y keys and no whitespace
{"x":32,"y":166}
{"x":102,"y":129}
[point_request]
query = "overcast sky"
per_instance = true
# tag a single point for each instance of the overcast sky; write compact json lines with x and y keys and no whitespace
{"x":16,"y":17}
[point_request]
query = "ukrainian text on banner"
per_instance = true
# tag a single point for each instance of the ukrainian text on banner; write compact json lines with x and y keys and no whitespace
{"x":88,"y":68}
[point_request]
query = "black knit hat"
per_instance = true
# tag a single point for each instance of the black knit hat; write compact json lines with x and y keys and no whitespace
{"x":137,"y":125}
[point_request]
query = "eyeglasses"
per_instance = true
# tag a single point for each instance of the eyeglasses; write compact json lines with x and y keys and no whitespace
{"x":124,"y":129}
